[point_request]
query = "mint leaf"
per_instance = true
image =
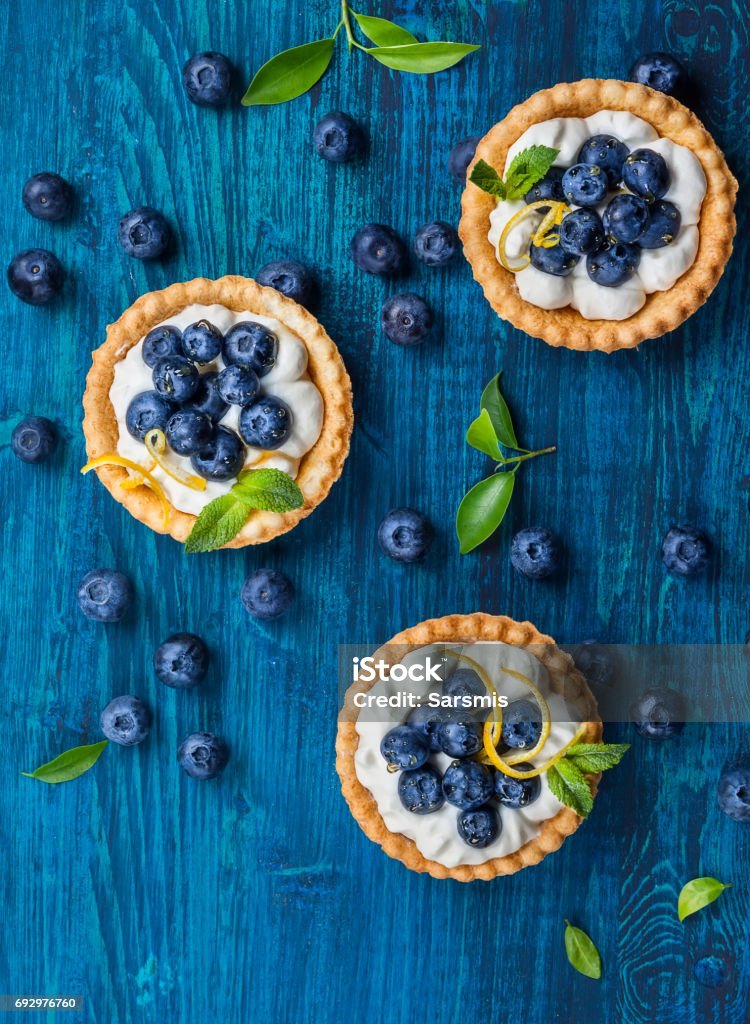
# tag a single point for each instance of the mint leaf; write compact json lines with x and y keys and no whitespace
{"x":487,"y":178}
{"x":219,"y":521}
{"x":527,"y":168}
{"x":481,"y":435}
{"x":68,"y":765}
{"x":383,"y":32}
{"x":421,"y":58}
{"x":268,"y":489}
{"x":492,"y":400}
{"x":569,"y":785}
{"x":582,"y":953}
{"x":289,"y":74}
{"x":596,"y":757}
{"x":482,"y":510}
{"x":697,"y":894}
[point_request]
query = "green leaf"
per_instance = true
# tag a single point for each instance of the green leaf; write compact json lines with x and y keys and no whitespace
{"x":527,"y":168}
{"x":582,"y":953}
{"x":421,"y":58}
{"x":482,"y":510}
{"x":492,"y":400}
{"x":487,"y":178}
{"x":289,"y":74}
{"x":383,"y":32}
{"x":697,"y":894}
{"x":569,"y":785}
{"x":596,"y":757}
{"x":481,"y":435}
{"x":69,"y":765}
{"x":269,"y":489}
{"x":219,"y":521}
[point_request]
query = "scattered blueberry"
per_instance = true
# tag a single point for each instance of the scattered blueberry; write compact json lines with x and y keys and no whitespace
{"x":338,"y":138}
{"x":659,"y":713}
{"x":548,"y":187}
{"x":480,"y":827}
{"x":664,"y":221}
{"x":175,"y":378}
{"x":202,"y":342}
{"x":291,"y":279}
{"x":626,"y":217}
{"x":614,"y":264}
{"x":207,"y":79}
{"x":104,"y":595}
{"x":126,"y":720}
{"x":517,"y":793}
{"x":711,"y":971}
{"x":582,"y":232}
{"x":467,"y":784}
{"x":420,"y":791}
{"x":181,"y":661}
{"x":251,"y":344}
{"x":377,"y":249}
{"x":405,"y":748}
{"x":585,"y":184}
{"x":536,"y":552}
{"x":47,"y":196}
{"x":203,"y":755}
{"x":522,"y":725}
{"x":207,"y":398}
{"x":595,"y":663}
{"x":405,"y":535}
{"x":685,"y":550}
{"x":188,"y":431}
{"x":608,"y":153}
{"x":660,"y":71}
{"x":34,"y":439}
{"x":426,"y":720}
{"x":267,"y":594}
{"x":461,"y":156}
{"x":222,"y":458}
{"x":554,"y":260}
{"x":36,"y":276}
{"x":436,"y":243}
{"x":237,"y":385}
{"x":160,"y":342}
{"x":144,"y":233}
{"x":460,"y":739}
{"x":147,"y":411}
{"x":406,"y":319}
{"x":645,"y":172}
{"x":266,"y":423}
{"x":734,"y":794}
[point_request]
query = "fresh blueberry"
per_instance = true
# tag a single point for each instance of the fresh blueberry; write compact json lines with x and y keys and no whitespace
{"x":291,"y":279}
{"x":467,"y":784}
{"x":660,"y":71}
{"x":144,"y":233}
{"x":460,"y":739}
{"x":266,"y":423}
{"x":734,"y":794}
{"x":436,"y":243}
{"x":664,"y":220}
{"x":536,"y":552}
{"x":47,"y":196}
{"x":405,"y":748}
{"x":608,"y":153}
{"x":267,"y":594}
{"x":595,"y":663}
{"x":222,"y":458}
{"x":207,"y":79}
{"x":338,"y":138}
{"x":160,"y":342}
{"x":251,"y":344}
{"x":181,"y":661}
{"x":659,"y":713}
{"x":517,"y":793}
{"x":188,"y":431}
{"x":207,"y":398}
{"x":420,"y":791}
{"x":104,"y":595}
{"x":614,"y":264}
{"x":175,"y":378}
{"x":461,"y":156}
{"x":685,"y":550}
{"x":405,"y":535}
{"x":626,"y":217}
{"x":147,"y":411}
{"x":237,"y":385}
{"x":126,"y":720}
{"x":203,"y":755}
{"x":33,"y":439}
{"x":522,"y":725}
{"x":585,"y":184}
{"x":406,"y":319}
{"x":480,"y":827}
{"x":554,"y":260}
{"x":711,"y":971}
{"x":36,"y":276}
{"x":464,"y":684}
{"x":377,"y":249}
{"x":202,"y":342}
{"x":582,"y":232}
{"x":646,"y":173}
{"x":548,"y":187}
{"x":426,"y":720}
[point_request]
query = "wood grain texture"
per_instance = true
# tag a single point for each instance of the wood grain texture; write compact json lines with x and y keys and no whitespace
{"x":258,"y":897}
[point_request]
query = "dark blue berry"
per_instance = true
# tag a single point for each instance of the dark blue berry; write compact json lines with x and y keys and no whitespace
{"x":420,"y":791}
{"x":338,"y":138}
{"x":207,"y":398}
{"x":405,"y":748}
{"x":664,"y":220}
{"x":222,"y":458}
{"x":553,"y":260}
{"x":147,"y":411}
{"x":406,"y":319}
{"x":460,"y":739}
{"x":291,"y":279}
{"x":126,"y":721}
{"x":659,"y":713}
{"x":266,"y":423}
{"x":47,"y":196}
{"x":207,"y":79}
{"x":645,"y":172}
{"x":426,"y":720}
{"x":203,"y":755}
{"x":581,"y":232}
{"x":461,"y":156}
{"x":188,"y":431}
{"x":144,"y":233}
{"x":595,"y":663}
{"x":660,"y":71}
{"x":480,"y":827}
{"x":585,"y":184}
{"x":734,"y":794}
{"x":614,"y":264}
{"x":202,"y":342}
{"x":464,"y":684}
{"x":405,"y":535}
{"x":685,"y":550}
{"x":34,"y":439}
{"x":104,"y":595}
{"x":517,"y":793}
{"x":467,"y":784}
{"x":377,"y":249}
{"x":608,"y":153}
{"x":175,"y":378}
{"x":522,"y":725}
{"x":548,"y":187}
{"x":267,"y":594}
{"x":181,"y":661}
{"x":161,"y":342}
{"x":536,"y":552}
{"x":237,"y":385}
{"x":626,"y":217}
{"x":251,"y":344}
{"x":711,"y":971}
{"x":436,"y":243}
{"x":36,"y":276}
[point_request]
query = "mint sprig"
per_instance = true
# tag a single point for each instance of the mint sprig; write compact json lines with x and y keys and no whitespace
{"x":526,"y":169}
{"x":567,"y":779}
{"x":267,"y":490}
{"x":68,"y":765}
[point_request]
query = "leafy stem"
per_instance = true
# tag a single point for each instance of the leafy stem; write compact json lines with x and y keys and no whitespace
{"x":525,"y":456}
{"x":347,"y":23}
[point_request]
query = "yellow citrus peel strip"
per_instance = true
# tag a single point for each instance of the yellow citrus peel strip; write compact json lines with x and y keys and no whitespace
{"x":137,"y":480}
{"x":156,"y":445}
{"x":502,"y":765}
{"x":143,"y":474}
{"x":555,"y":213}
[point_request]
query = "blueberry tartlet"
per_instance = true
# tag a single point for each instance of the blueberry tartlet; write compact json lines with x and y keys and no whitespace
{"x":467,"y":794}
{"x":626,"y":233}
{"x":203,"y":381}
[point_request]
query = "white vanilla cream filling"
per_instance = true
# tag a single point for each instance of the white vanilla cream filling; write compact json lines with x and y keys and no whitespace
{"x":658,"y":269}
{"x":287,"y":380}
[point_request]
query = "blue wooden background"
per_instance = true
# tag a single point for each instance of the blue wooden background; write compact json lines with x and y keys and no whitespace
{"x":257,"y":897}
